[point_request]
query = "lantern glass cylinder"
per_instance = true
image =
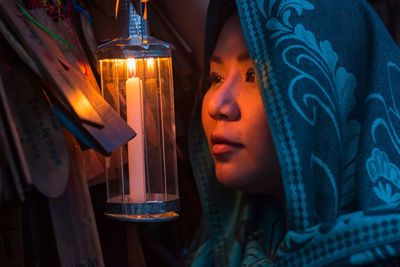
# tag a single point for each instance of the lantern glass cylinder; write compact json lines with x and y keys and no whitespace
{"x":141,"y":176}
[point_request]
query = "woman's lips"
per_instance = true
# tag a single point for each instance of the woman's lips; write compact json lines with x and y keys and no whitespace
{"x":222,"y":145}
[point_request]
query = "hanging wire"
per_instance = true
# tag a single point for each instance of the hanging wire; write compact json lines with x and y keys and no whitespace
{"x":44,"y":28}
{"x":59,"y":12}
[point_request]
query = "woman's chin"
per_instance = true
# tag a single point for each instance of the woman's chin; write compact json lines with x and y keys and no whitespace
{"x":248,"y":179}
{"x":230,"y":177}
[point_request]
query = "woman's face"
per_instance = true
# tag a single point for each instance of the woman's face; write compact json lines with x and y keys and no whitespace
{"x":234,"y":119}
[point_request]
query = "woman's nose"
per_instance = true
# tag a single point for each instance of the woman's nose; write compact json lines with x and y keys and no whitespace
{"x":223,"y":103}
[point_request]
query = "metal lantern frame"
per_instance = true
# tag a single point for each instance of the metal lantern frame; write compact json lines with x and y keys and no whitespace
{"x":136,"y":79}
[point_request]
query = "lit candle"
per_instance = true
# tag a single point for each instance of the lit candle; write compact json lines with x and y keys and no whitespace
{"x":137,"y":174}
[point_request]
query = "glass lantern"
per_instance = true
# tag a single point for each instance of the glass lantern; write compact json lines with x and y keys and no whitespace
{"x":136,"y":80}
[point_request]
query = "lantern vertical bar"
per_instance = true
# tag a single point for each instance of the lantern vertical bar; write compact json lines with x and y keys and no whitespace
{"x":106,"y":159}
{"x":144,"y":112}
{"x":117,"y":99}
{"x":160,"y":99}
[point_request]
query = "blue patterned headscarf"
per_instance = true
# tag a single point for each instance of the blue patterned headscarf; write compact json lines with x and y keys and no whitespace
{"x":329,"y":78}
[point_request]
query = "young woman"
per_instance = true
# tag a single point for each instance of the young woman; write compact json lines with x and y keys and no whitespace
{"x":295,"y":139}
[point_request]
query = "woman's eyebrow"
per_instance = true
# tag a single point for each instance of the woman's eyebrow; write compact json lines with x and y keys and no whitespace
{"x":243,"y":57}
{"x":216,"y":59}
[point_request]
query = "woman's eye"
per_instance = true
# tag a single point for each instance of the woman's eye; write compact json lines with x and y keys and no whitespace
{"x":215,"y":78}
{"x":250,"y":75}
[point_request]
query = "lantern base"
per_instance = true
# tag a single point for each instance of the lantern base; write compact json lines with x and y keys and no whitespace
{"x":159,"y":207}
{"x":161,"y":217}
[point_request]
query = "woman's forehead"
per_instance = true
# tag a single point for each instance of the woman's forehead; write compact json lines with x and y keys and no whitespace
{"x":240,"y":57}
{"x":231,"y":41}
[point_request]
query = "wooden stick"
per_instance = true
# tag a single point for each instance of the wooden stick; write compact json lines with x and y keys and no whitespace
{"x":73,"y":218}
{"x":18,"y":48}
{"x":27,"y":59}
{"x":43,"y":143}
{"x":68,"y":89}
{"x":76,"y":57}
{"x":13,"y":136}
{"x":50,"y":61}
{"x":88,"y":33}
{"x":111,"y":131}
{"x":11,"y":163}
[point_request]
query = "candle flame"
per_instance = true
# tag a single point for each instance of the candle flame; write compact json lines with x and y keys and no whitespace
{"x":131,"y":67}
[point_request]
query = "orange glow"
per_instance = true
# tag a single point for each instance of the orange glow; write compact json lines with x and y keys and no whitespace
{"x":85,"y":110}
{"x":131,"y":67}
{"x":150,"y":65}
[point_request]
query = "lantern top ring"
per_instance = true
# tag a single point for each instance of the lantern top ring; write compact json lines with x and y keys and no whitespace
{"x":123,"y":48}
